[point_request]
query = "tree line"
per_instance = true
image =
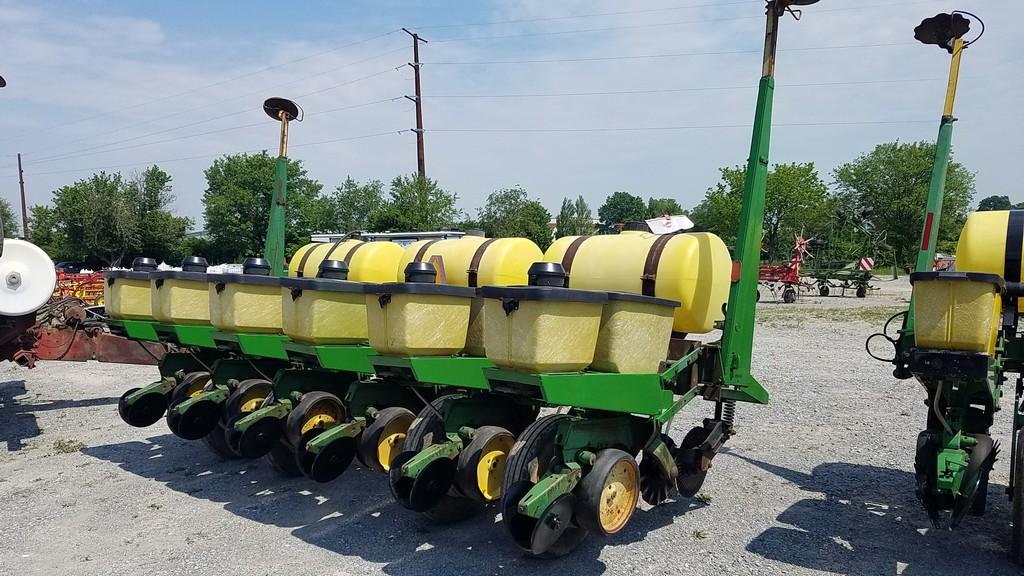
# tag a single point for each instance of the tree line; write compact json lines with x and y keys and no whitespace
{"x":873,"y":206}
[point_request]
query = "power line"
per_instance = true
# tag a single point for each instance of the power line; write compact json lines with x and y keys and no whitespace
{"x":677,"y":90}
{"x":659,"y":24}
{"x":591,"y":15}
{"x":204,"y":87}
{"x":201,"y":156}
{"x":207,"y":133}
{"x":230,"y":99}
{"x":666,"y":128}
{"x":674,"y":55}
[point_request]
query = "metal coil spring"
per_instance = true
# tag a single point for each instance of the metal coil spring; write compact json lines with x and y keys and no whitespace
{"x":728,"y":413}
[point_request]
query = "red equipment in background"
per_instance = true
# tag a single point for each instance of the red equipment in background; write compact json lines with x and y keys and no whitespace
{"x":85,"y":286}
{"x":786,"y":277}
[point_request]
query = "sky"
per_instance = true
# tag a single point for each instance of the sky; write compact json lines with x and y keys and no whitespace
{"x":561,"y":97}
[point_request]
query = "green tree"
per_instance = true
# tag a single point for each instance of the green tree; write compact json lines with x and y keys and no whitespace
{"x":10,"y":221}
{"x":161,"y":234}
{"x":511,"y":213}
{"x":892,"y":180}
{"x":95,"y":220}
{"x":42,"y":228}
{"x":995,"y":203}
{"x":574,"y":218}
{"x":236,"y":205}
{"x":796,"y":202}
{"x":416,"y":204}
{"x":662,"y":206}
{"x":351,"y":205}
{"x":619,"y":208}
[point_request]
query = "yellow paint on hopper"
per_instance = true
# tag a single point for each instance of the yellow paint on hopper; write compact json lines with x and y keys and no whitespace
{"x":693,"y":269}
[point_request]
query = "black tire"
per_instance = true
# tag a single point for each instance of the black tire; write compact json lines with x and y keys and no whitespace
{"x":190,"y":383}
{"x":789,"y":295}
{"x":1017,"y":510}
{"x":823,"y":290}
{"x":592,"y":492}
{"x":294,"y":422}
{"x":145,"y":411}
{"x":216,"y":442}
{"x":245,"y":393}
{"x":469,"y":461}
{"x":534,"y":453}
{"x":862,"y":291}
{"x":371,"y":437}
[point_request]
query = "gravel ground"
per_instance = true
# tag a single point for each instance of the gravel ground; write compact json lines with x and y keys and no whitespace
{"x":817,"y":482}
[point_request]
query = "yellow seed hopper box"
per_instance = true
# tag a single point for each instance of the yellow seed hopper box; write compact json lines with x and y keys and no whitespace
{"x":957,"y":310}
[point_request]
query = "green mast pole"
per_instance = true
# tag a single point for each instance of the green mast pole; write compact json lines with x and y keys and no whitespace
{"x":933,"y":211}
{"x":273,"y":251}
{"x":738,"y":331}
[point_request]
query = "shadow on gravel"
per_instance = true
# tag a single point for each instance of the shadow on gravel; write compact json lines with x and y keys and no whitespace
{"x":18,"y":421}
{"x":356,"y":515}
{"x":866,"y":520}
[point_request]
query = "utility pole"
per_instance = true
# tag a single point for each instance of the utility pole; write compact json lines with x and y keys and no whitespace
{"x":421,"y":163}
{"x":24,"y":207}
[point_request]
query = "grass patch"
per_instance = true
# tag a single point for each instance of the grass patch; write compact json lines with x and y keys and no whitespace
{"x":704,"y":498}
{"x":699,"y":534}
{"x":796,"y":317}
{"x":64,"y":446}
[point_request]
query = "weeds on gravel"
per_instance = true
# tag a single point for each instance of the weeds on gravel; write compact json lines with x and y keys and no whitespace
{"x":699,"y":534}
{"x":63,"y":446}
{"x":704,"y":498}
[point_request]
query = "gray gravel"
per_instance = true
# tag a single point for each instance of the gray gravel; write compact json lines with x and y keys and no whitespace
{"x":817,"y":482}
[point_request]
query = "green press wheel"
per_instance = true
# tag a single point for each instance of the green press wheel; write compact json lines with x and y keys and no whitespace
{"x":384,"y":438}
{"x":534,"y":456}
{"x":608,"y":492}
{"x":145,"y":411}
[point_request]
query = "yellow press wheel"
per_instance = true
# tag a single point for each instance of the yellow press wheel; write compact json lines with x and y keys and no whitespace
{"x":608,"y":493}
{"x":481,"y":466}
{"x":384,"y":438}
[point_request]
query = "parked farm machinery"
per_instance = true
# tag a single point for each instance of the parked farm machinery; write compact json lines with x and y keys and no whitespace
{"x":960,"y":337}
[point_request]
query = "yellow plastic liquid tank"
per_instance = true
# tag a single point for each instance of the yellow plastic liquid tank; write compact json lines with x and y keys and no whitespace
{"x":983,"y":245}
{"x":956,"y":310}
{"x":634,"y":335}
{"x":367,"y":261}
{"x":180,"y":297}
{"x":541,"y":329}
{"x":692,"y":269}
{"x":475,"y":261}
{"x":320,"y":311}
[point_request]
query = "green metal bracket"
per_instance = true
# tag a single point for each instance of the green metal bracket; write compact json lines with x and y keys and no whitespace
{"x":667,"y":414}
{"x":738,"y":331}
{"x":174,"y":362}
{"x":218,"y":396}
{"x":163,"y":386}
{"x":672,"y":372}
{"x":227,"y":369}
{"x":274,"y":249}
{"x":952,"y":466}
{"x":188,"y":335}
{"x":543,"y":493}
{"x":350,"y":429}
{"x":277,"y":410}
{"x":257,"y":345}
{"x":423,"y":458}
{"x":624,"y":393}
{"x":457,"y":371}
{"x":140,"y":330}
{"x":347,"y":358}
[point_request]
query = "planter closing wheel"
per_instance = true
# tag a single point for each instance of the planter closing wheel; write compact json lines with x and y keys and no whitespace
{"x":201,"y":418}
{"x":384,"y":438}
{"x":481,"y":465}
{"x":534,"y":456}
{"x":691,"y":477}
{"x":332,"y":460}
{"x":316,"y":412}
{"x":144,"y":411}
{"x":282,"y":460}
{"x":608,"y":493}
{"x":259,"y":438}
{"x":656,"y":483}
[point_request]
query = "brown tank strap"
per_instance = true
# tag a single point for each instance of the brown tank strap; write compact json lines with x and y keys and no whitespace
{"x":650,"y":275}
{"x":474,"y":263}
{"x":305,"y":257}
{"x":352,"y":252}
{"x":570,"y":253}
{"x":423,"y":250}
{"x":1014,"y":242}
